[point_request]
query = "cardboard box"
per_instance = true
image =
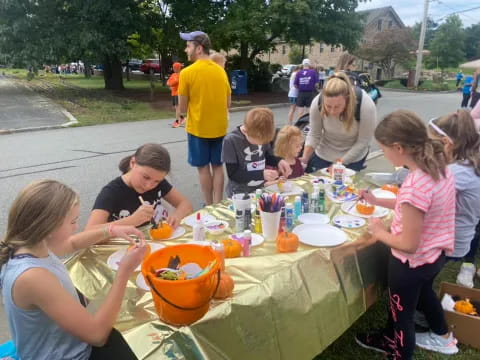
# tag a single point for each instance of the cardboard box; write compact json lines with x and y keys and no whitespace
{"x":465,"y":327}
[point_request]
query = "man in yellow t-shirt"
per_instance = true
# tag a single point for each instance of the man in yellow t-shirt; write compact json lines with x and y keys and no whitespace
{"x":204,"y":94}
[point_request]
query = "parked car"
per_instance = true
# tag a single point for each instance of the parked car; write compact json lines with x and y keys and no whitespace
{"x":134,"y":64}
{"x":150,"y":66}
{"x":287,"y":69}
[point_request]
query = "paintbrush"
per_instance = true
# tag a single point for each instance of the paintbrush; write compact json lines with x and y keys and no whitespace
{"x":152,"y":220}
{"x":358,"y":199}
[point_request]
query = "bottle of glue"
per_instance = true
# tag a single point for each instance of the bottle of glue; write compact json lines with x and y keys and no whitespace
{"x":338,"y":172}
{"x":198,"y":229}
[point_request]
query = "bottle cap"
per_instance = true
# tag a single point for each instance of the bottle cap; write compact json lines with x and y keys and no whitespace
{"x":198,"y":216}
{"x":289,"y":206}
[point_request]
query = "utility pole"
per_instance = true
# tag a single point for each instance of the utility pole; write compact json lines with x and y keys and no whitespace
{"x":418,"y":68}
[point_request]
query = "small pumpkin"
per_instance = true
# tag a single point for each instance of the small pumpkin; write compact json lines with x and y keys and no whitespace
{"x":365,"y":208}
{"x":465,"y":307}
{"x":148,"y":252}
{"x":391,"y":187}
{"x":287,"y":242}
{"x":162,"y":232}
{"x":225,"y":287}
{"x":232,"y":248}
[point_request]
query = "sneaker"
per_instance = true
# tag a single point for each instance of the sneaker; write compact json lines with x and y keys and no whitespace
{"x":466,"y":275}
{"x":181,"y":122}
{"x":372,"y":341}
{"x":437,"y":343}
{"x":175,"y":124}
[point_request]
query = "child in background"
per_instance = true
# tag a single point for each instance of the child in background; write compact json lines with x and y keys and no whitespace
{"x":43,"y":308}
{"x":143,"y":176}
{"x":462,"y":144}
{"x":422,"y":232}
{"x":467,"y":89}
{"x":247,"y":150}
{"x":288,"y":145}
{"x":172,"y":82}
{"x":219,"y":59}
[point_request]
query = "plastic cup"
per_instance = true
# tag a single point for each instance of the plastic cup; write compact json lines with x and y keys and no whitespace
{"x":270,"y":225}
{"x":239,"y":203}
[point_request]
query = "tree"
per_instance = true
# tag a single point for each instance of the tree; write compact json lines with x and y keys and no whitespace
{"x":448,"y":45}
{"x":388,"y":49}
{"x":429,"y":33}
{"x":472,"y":42}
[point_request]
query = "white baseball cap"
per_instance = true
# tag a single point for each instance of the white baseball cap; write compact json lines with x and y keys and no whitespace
{"x":306,"y":62}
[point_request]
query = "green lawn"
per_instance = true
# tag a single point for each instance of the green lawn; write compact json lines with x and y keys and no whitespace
{"x":91,"y":104}
{"x":345,"y":348}
{"x":427,"y":85}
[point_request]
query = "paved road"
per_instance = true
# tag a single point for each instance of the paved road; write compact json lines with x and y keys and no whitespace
{"x":22,"y":108}
{"x":86,"y":158}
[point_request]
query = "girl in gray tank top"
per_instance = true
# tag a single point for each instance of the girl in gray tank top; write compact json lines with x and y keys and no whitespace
{"x":45,"y":316}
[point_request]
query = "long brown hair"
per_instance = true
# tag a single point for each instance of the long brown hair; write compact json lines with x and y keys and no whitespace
{"x":406,"y":129}
{"x":460,"y":127}
{"x":340,"y":85}
{"x":37,"y":211}
{"x":151,"y":155}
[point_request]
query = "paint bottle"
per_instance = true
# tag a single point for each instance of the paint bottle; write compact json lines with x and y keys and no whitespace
{"x":297,"y":205}
{"x":239,"y":221}
{"x":305,"y":202}
{"x":282,"y":219}
{"x":314,"y":202}
{"x":247,"y":219}
{"x":321,"y":199}
{"x":258,"y":221}
{"x":247,"y":242}
{"x":198,"y":229}
{"x":289,"y":217}
{"x":338,"y":172}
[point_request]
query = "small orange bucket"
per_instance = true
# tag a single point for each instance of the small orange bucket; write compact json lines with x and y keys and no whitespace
{"x":182,"y":302}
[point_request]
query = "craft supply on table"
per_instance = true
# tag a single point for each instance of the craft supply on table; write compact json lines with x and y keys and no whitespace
{"x":282,"y":222}
{"x":246,"y":243}
{"x":257,"y":239}
{"x":239,"y":220}
{"x":289,"y":217}
{"x":216,"y":227}
{"x":320,"y":235}
{"x":348,"y":221}
{"x":258,"y":221}
{"x":340,"y":193}
{"x":191,"y":219}
{"x":321,"y":199}
{"x":297,"y":207}
{"x":314,"y":200}
{"x":287,"y":242}
{"x":338,"y":172}
{"x":305,"y":202}
{"x":348,"y":173}
{"x":220,"y":250}
{"x":199,"y":229}
{"x":352,"y":210}
{"x":247,"y":218}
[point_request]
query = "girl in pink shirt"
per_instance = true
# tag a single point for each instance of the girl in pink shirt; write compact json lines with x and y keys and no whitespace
{"x":422,"y":232}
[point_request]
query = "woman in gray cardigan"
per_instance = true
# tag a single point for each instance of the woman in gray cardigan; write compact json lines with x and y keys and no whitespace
{"x":339,"y":128}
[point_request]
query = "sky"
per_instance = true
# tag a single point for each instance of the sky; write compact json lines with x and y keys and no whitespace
{"x":411,"y":11}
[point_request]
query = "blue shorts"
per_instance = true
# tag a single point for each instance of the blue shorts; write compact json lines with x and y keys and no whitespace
{"x":292,"y":100}
{"x":204,"y":151}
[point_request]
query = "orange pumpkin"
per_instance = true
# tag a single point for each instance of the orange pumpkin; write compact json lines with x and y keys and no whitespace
{"x":287,"y":242}
{"x":232,"y":248}
{"x":465,"y":307}
{"x":365,"y":208}
{"x":162,"y":232}
{"x":225,"y":287}
{"x":149,"y":250}
{"x":391,"y":187}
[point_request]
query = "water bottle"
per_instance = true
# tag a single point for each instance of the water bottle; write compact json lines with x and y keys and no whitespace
{"x":297,"y":205}
{"x":289,"y":217}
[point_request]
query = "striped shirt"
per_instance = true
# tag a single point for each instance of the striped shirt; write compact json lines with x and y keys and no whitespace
{"x":436,"y":199}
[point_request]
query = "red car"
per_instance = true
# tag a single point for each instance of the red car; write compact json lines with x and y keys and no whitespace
{"x":150,"y":66}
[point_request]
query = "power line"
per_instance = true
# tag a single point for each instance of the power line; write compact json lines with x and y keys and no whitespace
{"x":458,"y":12}
{"x":455,"y":10}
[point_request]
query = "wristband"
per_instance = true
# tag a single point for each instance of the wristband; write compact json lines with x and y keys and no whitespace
{"x":110,"y":230}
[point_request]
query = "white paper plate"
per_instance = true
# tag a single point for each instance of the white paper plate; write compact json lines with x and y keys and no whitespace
{"x":257,"y":239}
{"x":351,"y":209}
{"x":348,"y":221}
{"x":190,"y":220}
{"x":383,"y":194}
{"x":320,"y":235}
{"x":326,"y":180}
{"x":114,"y":260}
{"x":179,"y":231}
{"x":216,"y":227}
{"x":314,"y":218}
{"x":200,"y":243}
{"x":348,"y":172}
{"x":336,"y":199}
{"x":296,"y":190}
{"x":141,"y":283}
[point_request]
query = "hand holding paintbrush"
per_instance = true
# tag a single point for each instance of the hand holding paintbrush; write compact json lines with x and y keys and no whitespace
{"x":144,"y":213}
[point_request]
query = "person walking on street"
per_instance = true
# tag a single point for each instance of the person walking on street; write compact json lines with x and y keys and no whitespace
{"x":459,"y":78}
{"x":204,"y":94}
{"x":475,"y":93}
{"x":306,"y":82}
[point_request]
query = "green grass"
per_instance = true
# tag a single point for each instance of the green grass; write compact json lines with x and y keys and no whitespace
{"x":345,"y":347}
{"x":91,"y":104}
{"x":427,"y":85}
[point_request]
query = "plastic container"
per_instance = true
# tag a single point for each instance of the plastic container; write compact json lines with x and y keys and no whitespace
{"x":338,"y":172}
{"x":182,"y":302}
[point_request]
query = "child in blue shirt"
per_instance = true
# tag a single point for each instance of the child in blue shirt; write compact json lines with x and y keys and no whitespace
{"x":467,"y":90}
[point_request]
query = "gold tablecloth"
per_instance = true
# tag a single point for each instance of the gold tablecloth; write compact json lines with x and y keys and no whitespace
{"x":284,"y":306}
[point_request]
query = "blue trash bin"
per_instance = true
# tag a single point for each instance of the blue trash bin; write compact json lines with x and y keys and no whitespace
{"x":238,"y":82}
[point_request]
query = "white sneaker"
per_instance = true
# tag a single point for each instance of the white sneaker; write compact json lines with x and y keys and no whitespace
{"x":437,"y":343}
{"x":466,"y":275}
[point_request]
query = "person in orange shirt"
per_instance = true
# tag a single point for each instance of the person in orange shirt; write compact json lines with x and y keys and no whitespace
{"x":172,"y":82}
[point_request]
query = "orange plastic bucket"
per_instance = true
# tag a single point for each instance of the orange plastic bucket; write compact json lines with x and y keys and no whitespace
{"x":182,"y":302}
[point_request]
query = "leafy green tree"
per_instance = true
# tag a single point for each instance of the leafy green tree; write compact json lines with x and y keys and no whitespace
{"x":429,"y":33}
{"x":448,"y":45}
{"x":472,"y":42}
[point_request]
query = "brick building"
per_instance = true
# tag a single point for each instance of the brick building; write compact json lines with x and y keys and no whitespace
{"x":321,"y":54}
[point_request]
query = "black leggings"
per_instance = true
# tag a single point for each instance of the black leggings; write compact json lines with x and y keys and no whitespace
{"x":115,"y":348}
{"x":408,"y":290}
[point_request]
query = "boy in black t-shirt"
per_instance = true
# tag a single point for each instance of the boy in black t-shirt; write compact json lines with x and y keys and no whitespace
{"x":247,"y":151}
{"x":143,"y":176}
